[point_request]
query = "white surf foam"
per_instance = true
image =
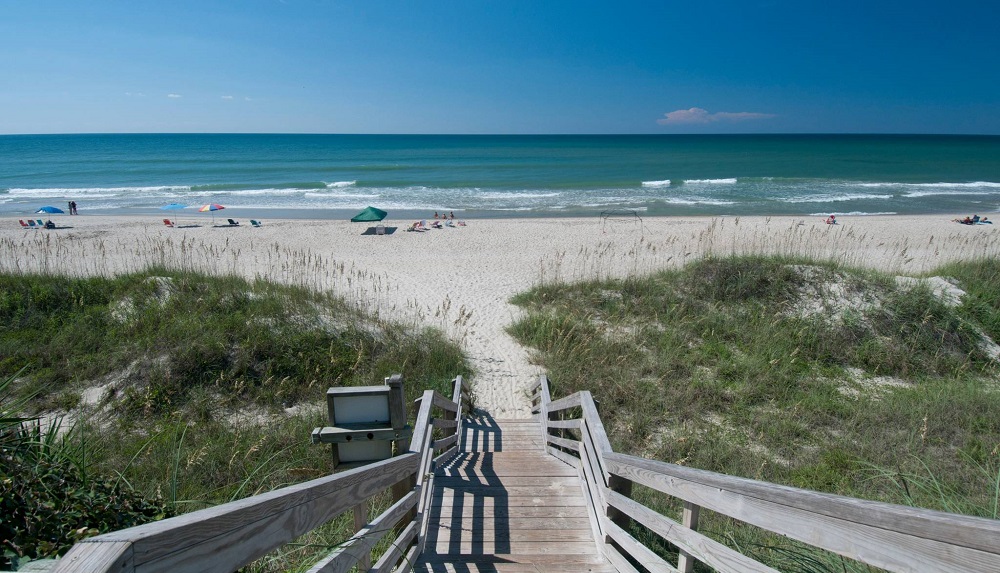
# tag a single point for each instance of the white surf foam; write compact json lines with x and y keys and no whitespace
{"x":656,"y":184}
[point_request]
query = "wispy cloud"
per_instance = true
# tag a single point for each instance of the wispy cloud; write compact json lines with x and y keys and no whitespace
{"x":696,"y":115}
{"x":174,"y":96}
{"x":227,"y":97}
{"x":135,"y":94}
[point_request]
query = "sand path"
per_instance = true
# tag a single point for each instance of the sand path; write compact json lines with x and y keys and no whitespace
{"x":460,"y":279}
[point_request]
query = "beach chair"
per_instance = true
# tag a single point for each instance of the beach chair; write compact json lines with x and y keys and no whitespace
{"x":379,"y":229}
{"x":255,"y":223}
{"x":40,"y":222}
{"x":169,"y":223}
{"x":32,"y":224}
{"x":25,"y":225}
{"x":233,"y":223}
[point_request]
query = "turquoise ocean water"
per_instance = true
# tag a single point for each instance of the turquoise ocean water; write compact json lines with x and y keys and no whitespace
{"x":497,"y":176}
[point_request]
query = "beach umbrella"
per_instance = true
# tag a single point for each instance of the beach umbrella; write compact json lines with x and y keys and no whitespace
{"x":49,"y":209}
{"x":213,"y":207}
{"x":174,"y":206}
{"x":369,"y":215}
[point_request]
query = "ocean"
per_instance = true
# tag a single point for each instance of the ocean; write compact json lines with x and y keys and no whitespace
{"x":325,"y":176}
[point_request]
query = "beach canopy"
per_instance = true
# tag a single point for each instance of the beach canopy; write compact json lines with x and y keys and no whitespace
{"x":49,"y":209}
{"x":368,"y":215}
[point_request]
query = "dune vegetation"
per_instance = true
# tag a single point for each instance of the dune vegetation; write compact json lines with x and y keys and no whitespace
{"x":177,"y":391}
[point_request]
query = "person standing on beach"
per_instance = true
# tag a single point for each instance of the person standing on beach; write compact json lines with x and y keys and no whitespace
{"x":70,"y":205}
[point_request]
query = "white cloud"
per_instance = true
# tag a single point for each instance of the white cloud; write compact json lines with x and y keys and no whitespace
{"x":136,"y":94}
{"x":696,"y":115}
{"x":174,"y":96}
{"x":227,"y":97}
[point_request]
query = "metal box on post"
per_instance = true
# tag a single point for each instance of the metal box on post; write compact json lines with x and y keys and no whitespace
{"x":364,"y":423}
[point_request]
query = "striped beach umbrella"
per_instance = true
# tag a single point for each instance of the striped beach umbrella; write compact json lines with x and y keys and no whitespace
{"x":212,"y":207}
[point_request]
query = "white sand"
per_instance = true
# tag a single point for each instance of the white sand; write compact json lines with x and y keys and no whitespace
{"x":460,"y":279}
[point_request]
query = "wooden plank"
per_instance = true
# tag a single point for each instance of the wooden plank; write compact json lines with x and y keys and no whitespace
{"x":708,"y":551}
{"x":566,"y":458}
{"x":544,"y":402}
{"x":445,"y":442}
{"x":564,"y":443}
{"x":571,"y":401}
{"x":409,"y":560}
{"x":512,"y":523}
{"x":226,"y":537}
{"x":489,"y":511}
{"x":88,"y":555}
{"x":442,"y":423}
{"x":689,"y":519}
{"x":620,"y":563}
{"x":520,"y":563}
{"x":360,"y":545}
{"x":455,"y":535}
{"x":572,"y":424}
{"x":488,"y":547}
{"x":444,"y":403}
{"x":469,"y":501}
{"x":974,"y":532}
{"x":637,"y":551}
{"x":421,"y":426}
{"x":392,"y":555}
{"x":595,"y":498}
{"x":503,"y":489}
{"x":885,"y":548}
{"x":455,"y":482}
{"x":595,"y":429}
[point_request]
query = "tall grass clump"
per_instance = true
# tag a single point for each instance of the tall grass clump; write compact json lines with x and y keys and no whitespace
{"x":187,"y":391}
{"x":788,"y":370}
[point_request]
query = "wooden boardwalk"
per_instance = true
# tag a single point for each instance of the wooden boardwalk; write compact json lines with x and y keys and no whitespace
{"x":503,"y":505}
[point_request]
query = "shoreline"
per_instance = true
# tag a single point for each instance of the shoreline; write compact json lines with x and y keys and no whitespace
{"x":461,"y":279}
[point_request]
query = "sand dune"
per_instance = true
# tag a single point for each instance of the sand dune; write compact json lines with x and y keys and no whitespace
{"x":460,"y":279}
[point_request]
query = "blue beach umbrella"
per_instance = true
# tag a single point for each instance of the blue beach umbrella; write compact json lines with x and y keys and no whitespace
{"x":49,"y":209}
{"x":174,"y":206}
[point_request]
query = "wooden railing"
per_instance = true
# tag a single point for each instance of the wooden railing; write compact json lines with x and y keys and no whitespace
{"x":229,"y":536}
{"x":891,"y":537}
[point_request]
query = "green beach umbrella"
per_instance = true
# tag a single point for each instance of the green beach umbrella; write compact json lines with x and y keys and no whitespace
{"x":368,"y":215}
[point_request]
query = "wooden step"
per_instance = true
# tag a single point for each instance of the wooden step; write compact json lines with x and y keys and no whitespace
{"x":506,"y":563}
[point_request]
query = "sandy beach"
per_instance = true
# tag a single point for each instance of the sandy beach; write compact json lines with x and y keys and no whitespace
{"x":461,"y":278}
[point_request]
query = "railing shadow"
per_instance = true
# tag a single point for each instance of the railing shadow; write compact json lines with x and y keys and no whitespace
{"x":480,"y":508}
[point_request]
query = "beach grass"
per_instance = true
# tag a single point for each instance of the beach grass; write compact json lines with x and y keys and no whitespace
{"x":788,"y":370}
{"x":189,"y":390}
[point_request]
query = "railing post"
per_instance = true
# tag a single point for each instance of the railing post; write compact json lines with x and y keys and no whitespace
{"x":543,"y":411}
{"x":685,"y":562}
{"x":397,"y":418}
{"x":360,"y":521}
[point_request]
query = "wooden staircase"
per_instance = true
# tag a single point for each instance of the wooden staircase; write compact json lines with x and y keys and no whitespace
{"x":503,"y":505}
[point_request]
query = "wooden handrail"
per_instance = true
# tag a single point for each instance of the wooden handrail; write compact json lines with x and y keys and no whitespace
{"x":229,"y":536}
{"x":892,"y":537}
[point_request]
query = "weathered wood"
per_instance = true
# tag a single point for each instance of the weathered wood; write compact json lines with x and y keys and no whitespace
{"x":544,"y":403}
{"x":854,"y":534}
{"x":540,"y":525}
{"x":499,"y":536}
{"x":97,"y":556}
{"x":490,"y":511}
{"x":595,"y":497}
{"x":689,"y":519}
{"x":508,"y":481}
{"x":360,"y":519}
{"x":392,"y":555}
{"x":573,"y":424}
{"x":571,"y":401}
{"x":704,"y":549}
{"x":351,"y":551}
{"x":442,"y":423}
{"x":443,"y":403}
{"x":643,"y":555}
{"x":618,"y":560}
{"x":445,"y":442}
{"x":569,"y":460}
{"x":470,"y":500}
{"x":422,"y":423}
{"x":409,"y":560}
{"x":564,"y":443}
{"x":228,"y":536}
{"x":538,"y":547}
{"x":595,"y":431}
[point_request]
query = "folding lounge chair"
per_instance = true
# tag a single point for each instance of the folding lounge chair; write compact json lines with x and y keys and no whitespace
{"x":169,"y":223}
{"x":255,"y":223}
{"x":32,"y":224}
{"x":234,"y":222}
{"x":40,"y":222}
{"x":25,"y":225}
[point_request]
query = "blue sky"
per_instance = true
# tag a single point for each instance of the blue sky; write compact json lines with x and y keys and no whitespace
{"x":506,"y":66}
